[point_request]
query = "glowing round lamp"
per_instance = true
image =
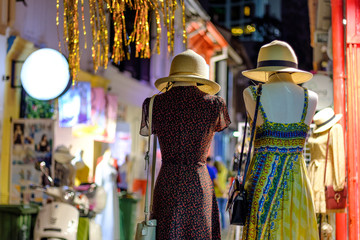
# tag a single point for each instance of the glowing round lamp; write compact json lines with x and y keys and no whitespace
{"x":45,"y":74}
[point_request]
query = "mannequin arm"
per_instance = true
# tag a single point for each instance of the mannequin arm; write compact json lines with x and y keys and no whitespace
{"x":250,"y":104}
{"x":337,"y":142}
{"x":313,"y":99}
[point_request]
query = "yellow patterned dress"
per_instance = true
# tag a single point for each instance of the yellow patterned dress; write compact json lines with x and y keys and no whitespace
{"x":280,"y":200}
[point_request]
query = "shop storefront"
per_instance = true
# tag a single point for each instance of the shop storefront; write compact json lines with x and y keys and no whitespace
{"x":117,"y":110}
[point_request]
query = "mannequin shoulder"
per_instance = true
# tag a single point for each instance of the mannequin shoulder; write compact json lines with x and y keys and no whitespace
{"x":146,"y":102}
{"x":313,"y":97}
{"x":336,"y":130}
{"x":249,"y":100}
{"x":312,"y":101}
{"x":213,"y":100}
{"x":248,"y":94}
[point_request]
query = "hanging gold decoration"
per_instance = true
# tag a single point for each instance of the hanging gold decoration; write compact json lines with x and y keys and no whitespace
{"x":71,"y":35}
{"x":140,"y":35}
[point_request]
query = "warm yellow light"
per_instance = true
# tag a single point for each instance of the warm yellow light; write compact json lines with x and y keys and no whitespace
{"x":237,"y":31}
{"x":250,"y":29}
{"x":236,"y":134}
{"x":247,"y":10}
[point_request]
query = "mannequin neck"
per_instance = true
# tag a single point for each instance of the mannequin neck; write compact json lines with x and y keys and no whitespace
{"x":178,"y":84}
{"x":280,"y":77}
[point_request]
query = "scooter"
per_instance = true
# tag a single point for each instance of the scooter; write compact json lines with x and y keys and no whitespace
{"x":59,"y":218}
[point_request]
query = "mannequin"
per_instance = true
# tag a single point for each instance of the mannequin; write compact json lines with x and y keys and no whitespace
{"x":64,"y":170}
{"x":82,"y":170}
{"x":335,"y":170}
{"x":105,"y":176}
{"x":280,"y":198}
{"x":326,"y":127}
{"x":185,"y":118}
{"x":282,"y":99}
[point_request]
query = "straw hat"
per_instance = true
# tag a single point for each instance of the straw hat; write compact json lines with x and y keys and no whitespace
{"x":325,"y":119}
{"x":189,"y":66}
{"x":277,"y":56}
{"x":62,"y":154}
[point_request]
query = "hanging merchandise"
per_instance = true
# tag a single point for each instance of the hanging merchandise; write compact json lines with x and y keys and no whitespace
{"x":327,"y":165}
{"x":163,"y":10}
{"x":102,"y":124}
{"x":111,"y":105}
{"x":106,"y":176}
{"x":75,"y":105}
{"x":334,"y":199}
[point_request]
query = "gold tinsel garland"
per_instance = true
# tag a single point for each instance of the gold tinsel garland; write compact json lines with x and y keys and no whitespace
{"x":98,"y":22}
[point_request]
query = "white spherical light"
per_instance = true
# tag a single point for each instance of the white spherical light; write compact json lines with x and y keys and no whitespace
{"x":45,"y":74}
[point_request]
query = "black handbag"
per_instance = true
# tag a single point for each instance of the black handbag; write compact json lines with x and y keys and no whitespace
{"x":237,"y":203}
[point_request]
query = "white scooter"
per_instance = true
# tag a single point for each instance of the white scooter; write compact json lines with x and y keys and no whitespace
{"x":59,"y":219}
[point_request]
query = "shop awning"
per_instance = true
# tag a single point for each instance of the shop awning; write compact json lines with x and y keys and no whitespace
{"x":205,"y":39}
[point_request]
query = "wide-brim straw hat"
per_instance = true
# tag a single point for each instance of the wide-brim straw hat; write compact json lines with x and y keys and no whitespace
{"x":277,"y":56}
{"x":189,"y":66}
{"x":325,"y":119}
{"x":62,"y":155}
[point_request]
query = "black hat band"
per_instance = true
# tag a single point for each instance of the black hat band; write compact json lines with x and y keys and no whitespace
{"x":320,"y":125}
{"x":281,"y":63}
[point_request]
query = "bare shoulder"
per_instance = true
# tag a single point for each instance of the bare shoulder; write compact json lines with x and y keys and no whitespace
{"x":312,"y":103}
{"x":247,"y":93}
{"x":313,"y":96}
{"x":249,"y":100}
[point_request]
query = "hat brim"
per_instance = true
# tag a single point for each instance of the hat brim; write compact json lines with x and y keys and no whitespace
{"x":328,"y":125}
{"x":261,"y":74}
{"x":206,"y":85}
{"x":63,"y":157}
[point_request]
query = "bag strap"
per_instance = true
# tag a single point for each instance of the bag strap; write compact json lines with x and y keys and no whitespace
{"x":147,"y":162}
{"x":258,"y":95}
{"x":326,"y":156}
{"x":242,"y":147}
{"x":153,"y":168}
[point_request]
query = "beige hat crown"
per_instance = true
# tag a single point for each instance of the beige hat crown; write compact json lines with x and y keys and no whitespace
{"x":62,"y":154}
{"x":189,"y":66}
{"x":325,"y":119}
{"x":277,"y":56}
{"x":189,"y":63}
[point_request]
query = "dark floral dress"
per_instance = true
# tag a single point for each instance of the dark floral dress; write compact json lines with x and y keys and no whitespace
{"x":185,"y":120}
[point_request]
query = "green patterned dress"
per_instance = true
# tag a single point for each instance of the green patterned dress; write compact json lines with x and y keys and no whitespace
{"x":281,"y":203}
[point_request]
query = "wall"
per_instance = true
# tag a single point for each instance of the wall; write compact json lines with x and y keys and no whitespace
{"x":2,"y":84}
{"x":20,"y":49}
{"x":36,"y":23}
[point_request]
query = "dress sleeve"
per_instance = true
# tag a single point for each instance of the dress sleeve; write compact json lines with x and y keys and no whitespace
{"x":144,"y":128}
{"x":223,"y":120}
{"x":337,"y":141}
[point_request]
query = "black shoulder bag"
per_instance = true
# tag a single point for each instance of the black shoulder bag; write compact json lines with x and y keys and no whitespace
{"x":237,"y":204}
